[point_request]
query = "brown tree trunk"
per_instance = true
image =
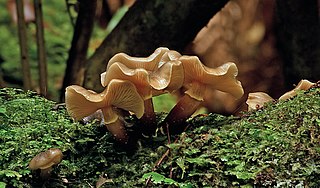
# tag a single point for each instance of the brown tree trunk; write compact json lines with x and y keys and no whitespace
{"x":42,"y":63}
{"x":298,"y":36}
{"x":78,"y":52}
{"x":149,"y":24}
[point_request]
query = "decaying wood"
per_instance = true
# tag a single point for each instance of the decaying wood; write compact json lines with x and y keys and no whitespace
{"x":149,"y":24}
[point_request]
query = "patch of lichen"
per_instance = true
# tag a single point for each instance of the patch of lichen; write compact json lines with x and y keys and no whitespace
{"x":278,"y":145}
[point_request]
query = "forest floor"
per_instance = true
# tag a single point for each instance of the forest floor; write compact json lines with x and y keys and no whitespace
{"x":275,"y":146}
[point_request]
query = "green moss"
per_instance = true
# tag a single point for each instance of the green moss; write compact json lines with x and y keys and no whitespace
{"x":274,"y":146}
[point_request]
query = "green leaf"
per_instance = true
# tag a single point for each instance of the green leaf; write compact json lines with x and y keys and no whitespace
{"x":85,"y":140}
{"x":202,"y":160}
{"x":174,"y":146}
{"x":180,"y":163}
{"x":2,"y":185}
{"x":10,"y":173}
{"x":158,"y":178}
{"x":3,"y":112}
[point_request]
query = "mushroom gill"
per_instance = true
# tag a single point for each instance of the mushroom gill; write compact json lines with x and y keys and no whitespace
{"x":119,"y":94}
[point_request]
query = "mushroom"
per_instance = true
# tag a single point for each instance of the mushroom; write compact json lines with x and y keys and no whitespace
{"x":168,"y":77}
{"x":161,"y":71}
{"x":256,"y":100}
{"x":140,"y":78}
{"x":147,"y":63}
{"x":302,"y":85}
{"x":45,"y":160}
{"x":119,"y":94}
{"x":197,"y":79}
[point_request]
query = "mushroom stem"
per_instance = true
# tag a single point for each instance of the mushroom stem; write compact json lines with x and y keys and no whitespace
{"x":45,"y":173}
{"x":179,"y":114}
{"x":149,"y":124}
{"x":117,"y":129}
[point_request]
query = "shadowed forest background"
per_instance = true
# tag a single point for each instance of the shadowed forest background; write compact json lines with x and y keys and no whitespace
{"x":274,"y":43}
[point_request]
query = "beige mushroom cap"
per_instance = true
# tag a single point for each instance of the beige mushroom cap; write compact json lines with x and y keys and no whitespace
{"x":169,"y":56}
{"x":168,"y":77}
{"x":257,"y":100}
{"x":198,"y":78}
{"x":139,"y":77}
{"x":81,"y":102}
{"x":46,"y":159}
{"x":302,"y":85}
{"x":119,"y":93}
{"x":147,"y":63}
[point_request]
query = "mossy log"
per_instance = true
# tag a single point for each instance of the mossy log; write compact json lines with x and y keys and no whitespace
{"x":276,"y":146}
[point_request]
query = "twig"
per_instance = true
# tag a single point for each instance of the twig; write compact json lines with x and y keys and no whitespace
{"x":69,"y":13}
{"x":164,"y":155}
{"x":23,"y":46}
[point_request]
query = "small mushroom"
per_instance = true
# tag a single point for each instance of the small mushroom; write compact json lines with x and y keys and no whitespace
{"x":197,"y":79}
{"x":256,"y":100}
{"x":302,"y":85}
{"x":45,"y":160}
{"x":119,"y":94}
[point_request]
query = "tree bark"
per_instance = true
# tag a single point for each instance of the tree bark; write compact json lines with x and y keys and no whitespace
{"x":78,"y":52}
{"x":149,"y":24}
{"x":42,"y":63}
{"x":298,"y":36}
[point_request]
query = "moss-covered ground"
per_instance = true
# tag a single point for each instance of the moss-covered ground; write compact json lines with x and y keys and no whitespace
{"x":276,"y":146}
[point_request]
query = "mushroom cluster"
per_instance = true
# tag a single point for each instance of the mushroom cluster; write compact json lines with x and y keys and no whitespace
{"x":256,"y":100}
{"x":131,"y":82}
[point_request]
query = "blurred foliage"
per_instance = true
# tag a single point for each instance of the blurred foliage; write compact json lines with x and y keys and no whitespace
{"x":276,"y":146}
{"x":163,"y":103}
{"x":58,"y":34}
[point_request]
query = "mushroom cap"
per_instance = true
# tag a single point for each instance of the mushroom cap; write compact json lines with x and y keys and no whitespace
{"x":148,"y":63}
{"x":168,"y":77}
{"x":46,"y":159}
{"x":118,"y":94}
{"x":139,"y":77}
{"x":257,"y":99}
{"x":198,"y":78}
{"x":169,"y":56}
{"x":81,"y":102}
{"x":302,"y":85}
